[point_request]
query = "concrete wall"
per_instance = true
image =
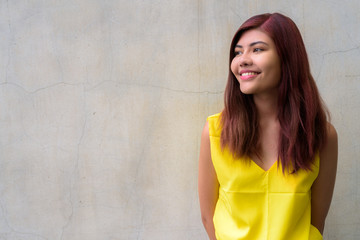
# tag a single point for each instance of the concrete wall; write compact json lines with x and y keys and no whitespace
{"x":102,"y":104}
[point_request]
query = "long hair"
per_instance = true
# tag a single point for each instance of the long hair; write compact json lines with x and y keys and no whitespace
{"x":301,"y":112}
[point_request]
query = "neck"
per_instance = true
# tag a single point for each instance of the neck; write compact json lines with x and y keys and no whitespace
{"x":267,"y":107}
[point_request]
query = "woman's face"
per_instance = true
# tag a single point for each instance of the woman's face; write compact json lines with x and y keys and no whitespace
{"x":256,"y":64}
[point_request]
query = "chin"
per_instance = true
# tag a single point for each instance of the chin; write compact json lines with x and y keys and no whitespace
{"x":246,"y":91}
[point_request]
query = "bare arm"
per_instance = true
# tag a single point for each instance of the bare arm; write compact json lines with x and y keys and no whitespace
{"x":323,"y":187}
{"x":208,"y":185}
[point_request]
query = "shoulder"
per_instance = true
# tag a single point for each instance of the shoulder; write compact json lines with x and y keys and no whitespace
{"x":214,"y":117}
{"x":213,"y":124}
{"x":332,"y":139}
{"x":331,"y":132}
{"x":329,"y":152}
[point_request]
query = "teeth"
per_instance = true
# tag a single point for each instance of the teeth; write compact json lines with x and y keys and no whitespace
{"x":248,"y":73}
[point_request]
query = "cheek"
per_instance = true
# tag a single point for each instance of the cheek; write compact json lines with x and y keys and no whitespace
{"x":273,"y":67}
{"x":233,"y":66}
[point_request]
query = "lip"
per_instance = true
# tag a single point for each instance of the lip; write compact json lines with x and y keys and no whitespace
{"x":246,"y":77}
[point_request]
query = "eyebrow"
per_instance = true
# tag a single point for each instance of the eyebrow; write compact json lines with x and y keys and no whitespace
{"x":252,"y":44}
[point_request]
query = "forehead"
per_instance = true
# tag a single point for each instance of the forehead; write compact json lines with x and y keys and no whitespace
{"x":254,"y":35}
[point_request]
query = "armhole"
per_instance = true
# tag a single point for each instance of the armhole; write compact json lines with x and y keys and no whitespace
{"x":314,"y":233}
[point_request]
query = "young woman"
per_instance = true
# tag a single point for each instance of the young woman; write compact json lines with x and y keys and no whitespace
{"x":268,"y":161}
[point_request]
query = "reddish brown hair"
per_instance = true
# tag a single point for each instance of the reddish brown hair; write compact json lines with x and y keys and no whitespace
{"x":301,"y":112}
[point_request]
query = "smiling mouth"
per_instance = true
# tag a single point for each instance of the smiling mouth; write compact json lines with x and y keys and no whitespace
{"x":249,"y":73}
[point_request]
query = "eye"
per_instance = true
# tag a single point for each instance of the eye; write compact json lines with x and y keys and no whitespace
{"x":258,"y":49}
{"x":236,"y":53}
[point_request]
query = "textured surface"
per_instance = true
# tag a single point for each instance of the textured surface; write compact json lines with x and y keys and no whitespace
{"x":102,"y":105}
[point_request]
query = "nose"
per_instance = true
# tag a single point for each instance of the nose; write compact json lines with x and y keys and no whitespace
{"x":245,"y":60}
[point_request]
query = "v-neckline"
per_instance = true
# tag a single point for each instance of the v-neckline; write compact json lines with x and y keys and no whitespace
{"x":263,"y":170}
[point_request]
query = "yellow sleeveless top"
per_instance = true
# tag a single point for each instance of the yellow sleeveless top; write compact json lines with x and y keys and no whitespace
{"x":255,"y":204}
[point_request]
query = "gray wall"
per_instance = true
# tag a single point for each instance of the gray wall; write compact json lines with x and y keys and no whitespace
{"x":102,"y":104}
